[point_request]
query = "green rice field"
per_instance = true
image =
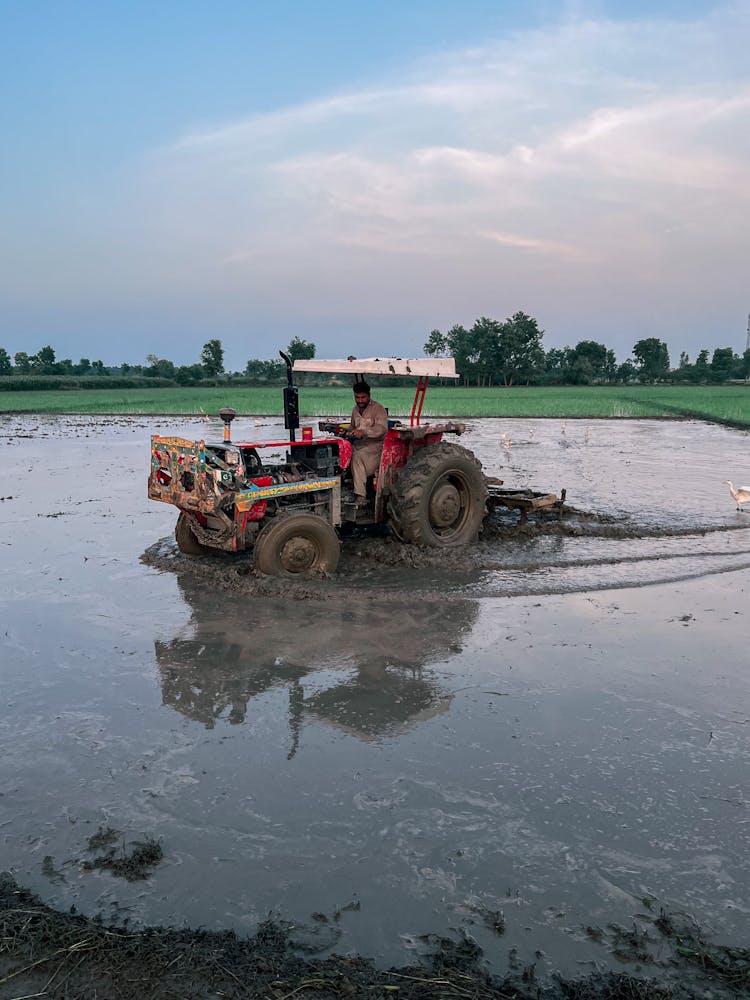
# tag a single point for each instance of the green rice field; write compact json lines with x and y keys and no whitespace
{"x":723,"y":404}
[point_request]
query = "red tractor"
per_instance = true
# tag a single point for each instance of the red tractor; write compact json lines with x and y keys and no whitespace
{"x":234,"y":495}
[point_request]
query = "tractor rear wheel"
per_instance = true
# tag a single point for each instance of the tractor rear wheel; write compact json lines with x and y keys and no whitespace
{"x":186,"y":540}
{"x":439,"y":497}
{"x":296,"y":545}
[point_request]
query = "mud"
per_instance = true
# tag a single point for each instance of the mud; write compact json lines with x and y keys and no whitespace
{"x":46,"y":953}
{"x":134,"y":865}
{"x":515,"y":755}
{"x":366,"y":558}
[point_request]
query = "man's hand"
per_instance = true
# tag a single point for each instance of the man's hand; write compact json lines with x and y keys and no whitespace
{"x":355,"y":434}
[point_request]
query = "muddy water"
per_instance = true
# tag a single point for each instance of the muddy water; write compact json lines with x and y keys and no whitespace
{"x":552,"y":723}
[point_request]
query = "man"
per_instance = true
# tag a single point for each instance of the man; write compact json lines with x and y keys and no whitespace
{"x":369,"y":426}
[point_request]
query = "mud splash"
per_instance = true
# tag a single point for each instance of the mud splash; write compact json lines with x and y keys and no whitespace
{"x":583,"y":551}
{"x":646,"y":505}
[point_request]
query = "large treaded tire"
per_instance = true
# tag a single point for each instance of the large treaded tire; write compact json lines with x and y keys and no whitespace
{"x":186,"y":540}
{"x":297,"y":545}
{"x":439,"y":497}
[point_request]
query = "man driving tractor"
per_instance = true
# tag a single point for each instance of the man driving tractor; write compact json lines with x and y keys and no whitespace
{"x":368,"y":429}
{"x":283,"y":499}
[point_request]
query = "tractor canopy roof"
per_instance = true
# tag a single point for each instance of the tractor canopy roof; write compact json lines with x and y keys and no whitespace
{"x":437,"y":367}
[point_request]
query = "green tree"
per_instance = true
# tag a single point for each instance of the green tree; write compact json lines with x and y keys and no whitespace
{"x":22,"y":362}
{"x":300,"y":350}
{"x":723,"y":364}
{"x":701,"y":368}
{"x":652,"y":357}
{"x":521,"y":356}
{"x":555,"y":365}
{"x":83,"y":367}
{"x":264,"y":371}
{"x":189,"y":374}
{"x":64,"y":366}
{"x":458,"y":342}
{"x":212,"y":358}
{"x":685,"y":372}
{"x":159,"y":367}
{"x":590,"y":361}
{"x":255,"y":368}
{"x":43,"y":362}
{"x":5,"y":366}
{"x":626,"y":372}
{"x":98,"y":367}
{"x":436,"y":344}
{"x":579,"y":371}
{"x":487,"y":349}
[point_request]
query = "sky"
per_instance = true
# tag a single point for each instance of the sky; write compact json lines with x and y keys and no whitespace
{"x":358,"y":174}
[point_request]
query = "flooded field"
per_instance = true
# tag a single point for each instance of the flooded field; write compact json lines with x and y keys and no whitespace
{"x":536,"y":741}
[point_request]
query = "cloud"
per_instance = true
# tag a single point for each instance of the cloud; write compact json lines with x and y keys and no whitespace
{"x":588,"y":167}
{"x":537,"y":246}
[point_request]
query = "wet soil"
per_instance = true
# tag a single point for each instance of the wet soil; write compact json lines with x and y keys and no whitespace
{"x":488,"y":772}
{"x":52,"y":954}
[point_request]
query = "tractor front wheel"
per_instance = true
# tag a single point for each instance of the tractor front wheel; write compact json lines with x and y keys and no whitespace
{"x":296,"y":545}
{"x":186,"y":540}
{"x":439,"y":497}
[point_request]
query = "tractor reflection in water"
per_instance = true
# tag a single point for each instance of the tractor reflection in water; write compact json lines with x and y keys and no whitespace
{"x":377,"y":649}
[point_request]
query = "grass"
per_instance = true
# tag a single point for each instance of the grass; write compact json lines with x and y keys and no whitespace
{"x":722,"y":404}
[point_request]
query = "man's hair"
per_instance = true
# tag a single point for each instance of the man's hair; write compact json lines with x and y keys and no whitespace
{"x":361,"y":387}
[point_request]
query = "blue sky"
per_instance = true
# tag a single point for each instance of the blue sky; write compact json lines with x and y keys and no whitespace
{"x":359,"y":174}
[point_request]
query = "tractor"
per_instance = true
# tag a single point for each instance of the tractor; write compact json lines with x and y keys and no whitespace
{"x":234,"y":496}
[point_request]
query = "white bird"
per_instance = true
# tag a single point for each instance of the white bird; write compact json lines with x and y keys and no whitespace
{"x":740,"y":495}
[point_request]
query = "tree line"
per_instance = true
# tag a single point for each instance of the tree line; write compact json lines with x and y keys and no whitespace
{"x":490,"y":353}
{"x":209,"y":368}
{"x":510,"y":352}
{"x":45,"y":362}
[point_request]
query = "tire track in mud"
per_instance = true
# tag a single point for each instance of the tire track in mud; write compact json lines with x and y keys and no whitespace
{"x":579,"y":554}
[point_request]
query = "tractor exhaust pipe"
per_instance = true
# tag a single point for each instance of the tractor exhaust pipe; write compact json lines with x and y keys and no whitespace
{"x":291,"y":399}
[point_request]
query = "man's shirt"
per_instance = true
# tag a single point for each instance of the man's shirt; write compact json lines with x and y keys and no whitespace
{"x":373,"y":422}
